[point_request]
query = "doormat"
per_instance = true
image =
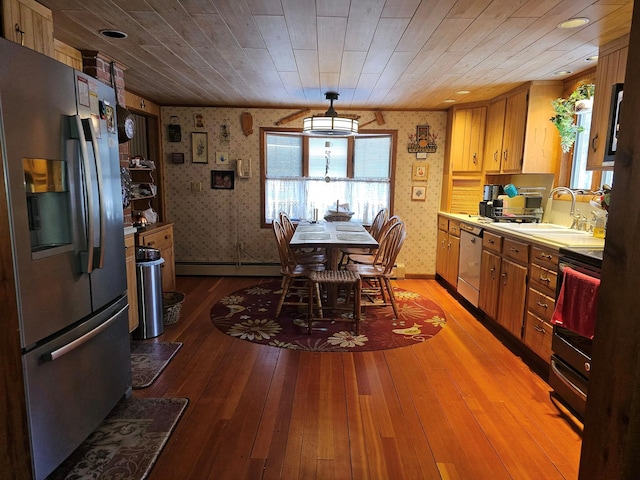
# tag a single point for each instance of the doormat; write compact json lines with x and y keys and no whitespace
{"x":149,"y":359}
{"x":127,"y":443}
{"x":249,"y":314}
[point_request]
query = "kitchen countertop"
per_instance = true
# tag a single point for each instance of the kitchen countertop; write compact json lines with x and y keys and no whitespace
{"x":545,"y":234}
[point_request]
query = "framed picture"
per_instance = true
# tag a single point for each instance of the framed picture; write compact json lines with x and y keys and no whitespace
{"x":198,"y":120}
{"x":419,"y":193}
{"x":420,"y":171}
{"x":422,"y":135}
{"x":222,"y":179}
{"x":199,"y":147}
{"x":177,"y":157}
{"x":222,"y":158}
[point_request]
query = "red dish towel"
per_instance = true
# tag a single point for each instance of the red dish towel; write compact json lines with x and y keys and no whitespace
{"x":577,"y":303}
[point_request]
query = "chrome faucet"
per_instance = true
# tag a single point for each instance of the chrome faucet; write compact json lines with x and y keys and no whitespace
{"x":572,"y":212}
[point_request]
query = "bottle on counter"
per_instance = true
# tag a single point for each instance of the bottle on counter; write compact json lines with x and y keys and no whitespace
{"x":600,"y":226}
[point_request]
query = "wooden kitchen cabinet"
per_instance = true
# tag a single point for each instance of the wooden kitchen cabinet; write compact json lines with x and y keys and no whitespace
{"x":30,"y":24}
{"x":541,"y":301}
{"x":503,"y":281}
{"x":612,"y":62}
{"x":160,"y":236}
{"x":489,"y":283}
{"x":132,"y":285}
{"x":467,"y":139}
{"x":520,"y":138}
{"x":448,"y":254}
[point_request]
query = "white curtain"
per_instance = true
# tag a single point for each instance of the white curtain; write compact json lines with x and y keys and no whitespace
{"x":298,"y":197}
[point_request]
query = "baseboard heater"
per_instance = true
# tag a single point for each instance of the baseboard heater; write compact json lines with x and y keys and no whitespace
{"x":228,"y":269}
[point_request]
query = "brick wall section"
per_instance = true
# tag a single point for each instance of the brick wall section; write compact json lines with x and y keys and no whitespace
{"x":99,"y":67}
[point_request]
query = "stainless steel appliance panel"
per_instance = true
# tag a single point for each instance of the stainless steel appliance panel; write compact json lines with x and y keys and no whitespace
{"x":73,"y":382}
{"x":469,"y":263}
{"x":34,"y":123}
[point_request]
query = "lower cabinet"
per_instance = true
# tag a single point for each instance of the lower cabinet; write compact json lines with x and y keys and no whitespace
{"x":489,"y":283}
{"x":448,"y":254}
{"x":132,"y":287}
{"x":513,"y":294}
{"x":160,"y":236}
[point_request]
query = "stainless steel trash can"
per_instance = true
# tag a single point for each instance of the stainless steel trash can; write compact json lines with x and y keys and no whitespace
{"x":149,"y":278}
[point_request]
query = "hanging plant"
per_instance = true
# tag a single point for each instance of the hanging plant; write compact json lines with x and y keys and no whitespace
{"x":564,"y":119}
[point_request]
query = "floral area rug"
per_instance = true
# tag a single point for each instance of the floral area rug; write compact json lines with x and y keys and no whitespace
{"x":148,"y":359}
{"x":249,"y":314}
{"x":127,"y":443}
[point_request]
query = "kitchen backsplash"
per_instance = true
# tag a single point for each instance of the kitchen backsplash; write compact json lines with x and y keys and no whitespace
{"x":209,"y":224}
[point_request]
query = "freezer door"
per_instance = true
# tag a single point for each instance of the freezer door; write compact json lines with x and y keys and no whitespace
{"x":36,"y":100}
{"x":73,"y":382}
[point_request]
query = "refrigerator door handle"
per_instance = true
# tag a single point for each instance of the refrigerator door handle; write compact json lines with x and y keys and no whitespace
{"x":59,"y":352}
{"x":88,"y":124}
{"x":86,"y":257}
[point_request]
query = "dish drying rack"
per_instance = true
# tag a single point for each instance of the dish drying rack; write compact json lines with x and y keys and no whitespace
{"x":531,"y":212}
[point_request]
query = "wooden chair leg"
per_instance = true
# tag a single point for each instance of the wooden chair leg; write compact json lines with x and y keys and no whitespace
{"x":389,"y":289}
{"x":356,"y":304}
{"x":285,"y":289}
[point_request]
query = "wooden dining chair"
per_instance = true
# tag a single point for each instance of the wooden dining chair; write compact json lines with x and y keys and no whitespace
{"x":295,"y":276}
{"x":369,"y":258}
{"x":376,"y":287}
{"x":374,"y":230}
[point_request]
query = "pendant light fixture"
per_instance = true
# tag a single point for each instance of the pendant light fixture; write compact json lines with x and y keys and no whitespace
{"x":330,"y":123}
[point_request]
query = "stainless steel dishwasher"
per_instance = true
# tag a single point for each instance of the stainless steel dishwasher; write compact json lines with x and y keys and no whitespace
{"x":469,"y":266}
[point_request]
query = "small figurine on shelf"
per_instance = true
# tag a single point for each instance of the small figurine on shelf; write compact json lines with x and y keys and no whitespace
{"x":140,"y":220}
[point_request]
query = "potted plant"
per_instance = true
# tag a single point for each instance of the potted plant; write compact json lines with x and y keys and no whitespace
{"x":565,"y":111}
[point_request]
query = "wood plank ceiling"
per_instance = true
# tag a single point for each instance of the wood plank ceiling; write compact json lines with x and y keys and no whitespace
{"x":394,"y":54}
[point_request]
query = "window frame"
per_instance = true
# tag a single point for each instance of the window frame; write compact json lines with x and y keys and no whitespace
{"x":305,"y":165}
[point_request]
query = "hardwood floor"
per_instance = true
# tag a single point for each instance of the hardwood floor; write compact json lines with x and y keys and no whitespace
{"x":458,"y":406}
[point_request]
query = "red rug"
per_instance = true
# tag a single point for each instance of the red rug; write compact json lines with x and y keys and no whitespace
{"x":249,"y":314}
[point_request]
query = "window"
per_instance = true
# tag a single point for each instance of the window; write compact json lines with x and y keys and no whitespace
{"x":305,"y":173}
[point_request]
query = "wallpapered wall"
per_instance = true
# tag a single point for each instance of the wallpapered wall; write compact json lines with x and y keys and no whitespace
{"x":209,"y":224}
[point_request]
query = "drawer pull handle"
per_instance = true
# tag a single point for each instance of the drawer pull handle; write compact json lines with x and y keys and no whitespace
{"x":544,"y":279}
{"x":544,"y":255}
{"x":515,"y":250}
{"x":490,"y":241}
{"x":539,"y":329}
{"x":493,"y":272}
{"x":543,"y":305}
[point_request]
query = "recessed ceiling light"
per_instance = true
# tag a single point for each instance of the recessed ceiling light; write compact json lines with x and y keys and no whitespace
{"x":592,"y":58}
{"x":449,"y":100}
{"x":574,"y":22}
{"x":561,"y":72}
{"x":462,"y":92}
{"x":113,"y":34}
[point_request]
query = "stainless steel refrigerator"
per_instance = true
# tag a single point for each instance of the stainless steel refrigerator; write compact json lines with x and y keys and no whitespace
{"x":59,"y":148}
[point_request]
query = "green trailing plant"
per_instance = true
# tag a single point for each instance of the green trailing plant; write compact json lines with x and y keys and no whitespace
{"x":565,"y":111}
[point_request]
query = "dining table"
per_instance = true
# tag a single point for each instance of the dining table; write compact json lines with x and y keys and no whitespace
{"x":333,"y":237}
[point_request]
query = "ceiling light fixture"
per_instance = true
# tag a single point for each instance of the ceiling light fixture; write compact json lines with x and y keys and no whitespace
{"x":330,"y":123}
{"x":113,"y":34}
{"x":592,"y":58}
{"x":462,"y":92}
{"x":559,"y":73}
{"x":574,"y":22}
{"x":449,"y":100}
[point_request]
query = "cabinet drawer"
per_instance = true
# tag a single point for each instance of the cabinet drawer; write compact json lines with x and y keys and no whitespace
{"x":537,"y":336}
{"x":540,"y":304}
{"x":545,"y":258}
{"x":454,"y":227}
{"x":161,"y":239}
{"x":492,"y":242}
{"x":443,"y":223}
{"x":544,"y":279}
{"x":517,"y":251}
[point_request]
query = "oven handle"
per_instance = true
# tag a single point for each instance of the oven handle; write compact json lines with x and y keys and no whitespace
{"x":567,"y":383}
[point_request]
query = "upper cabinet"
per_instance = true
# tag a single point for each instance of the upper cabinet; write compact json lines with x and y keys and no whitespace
{"x":612,"y":61}
{"x":520,"y":137}
{"x":30,"y":24}
{"x":467,"y":139}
